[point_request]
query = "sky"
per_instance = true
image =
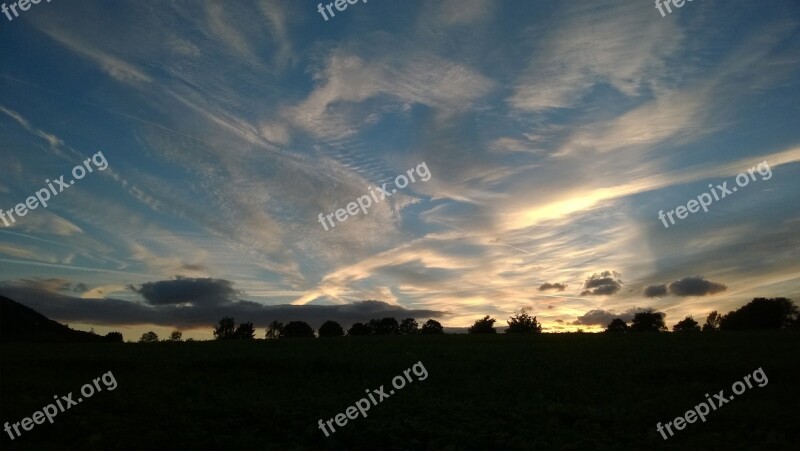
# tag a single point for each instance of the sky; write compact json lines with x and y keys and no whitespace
{"x":546,"y":138}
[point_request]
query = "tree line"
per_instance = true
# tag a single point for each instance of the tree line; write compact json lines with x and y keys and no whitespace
{"x":520,"y":323}
{"x":760,"y":313}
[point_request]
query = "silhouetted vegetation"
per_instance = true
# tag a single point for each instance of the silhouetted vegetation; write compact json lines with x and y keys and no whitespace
{"x":274,"y":330}
{"x":409,"y":326}
{"x":432,"y":327}
{"x":359,"y":330}
{"x":384,"y":326}
{"x":688,"y":324}
{"x":244,"y":331}
{"x":297,"y":329}
{"x":149,"y":337}
{"x":761,"y":313}
{"x":617,"y":325}
{"x":484,"y":325}
{"x":228,"y":330}
{"x":225,"y":329}
{"x":23,"y":324}
{"x":523,"y":324}
{"x":712,"y":322}
{"x":114,"y":337}
{"x":648,"y":321}
{"x":331,"y":329}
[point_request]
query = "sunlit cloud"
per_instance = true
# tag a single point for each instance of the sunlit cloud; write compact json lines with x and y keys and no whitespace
{"x":554,"y":133}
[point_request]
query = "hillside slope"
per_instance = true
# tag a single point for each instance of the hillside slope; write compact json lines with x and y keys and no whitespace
{"x":20,"y":324}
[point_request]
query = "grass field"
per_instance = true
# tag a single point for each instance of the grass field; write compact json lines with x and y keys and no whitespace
{"x":555,"y":391}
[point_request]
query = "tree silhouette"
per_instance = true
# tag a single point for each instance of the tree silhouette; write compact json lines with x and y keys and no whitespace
{"x":331,"y":329}
{"x":297,"y":329}
{"x":761,"y":313}
{"x":432,"y":327}
{"x":226,"y":328}
{"x":359,"y":330}
{"x":648,"y":321}
{"x":244,"y":331}
{"x":114,"y":337}
{"x":149,"y":337}
{"x":712,"y":322}
{"x":385,"y":326}
{"x":484,"y":325}
{"x":274,"y":330}
{"x":409,"y":326}
{"x":617,"y":325}
{"x":688,"y":324}
{"x":175,"y":335}
{"x":523,"y":323}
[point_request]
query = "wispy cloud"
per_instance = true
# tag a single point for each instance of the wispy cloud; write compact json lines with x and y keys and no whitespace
{"x":554,"y":134}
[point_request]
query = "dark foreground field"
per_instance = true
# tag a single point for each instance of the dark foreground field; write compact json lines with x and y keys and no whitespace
{"x":565,"y":391}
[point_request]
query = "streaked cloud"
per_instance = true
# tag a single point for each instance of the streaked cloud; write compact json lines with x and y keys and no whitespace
{"x":554,"y":134}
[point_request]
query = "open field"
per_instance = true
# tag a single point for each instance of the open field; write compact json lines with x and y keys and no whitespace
{"x":564,"y":391}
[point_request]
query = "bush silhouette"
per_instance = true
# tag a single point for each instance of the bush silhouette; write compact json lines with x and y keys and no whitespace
{"x":331,"y":329}
{"x":359,"y":330}
{"x":244,"y":331}
{"x":384,"y":326}
{"x":149,"y":337}
{"x":409,"y":326}
{"x":648,"y":321}
{"x":688,"y":324}
{"x":432,"y":327}
{"x":114,"y":337}
{"x":617,"y":325}
{"x":297,"y":329}
{"x":225,"y":329}
{"x":761,"y":313}
{"x":523,"y":324}
{"x":484,"y":325}
{"x":712,"y":322}
{"x":273,"y":330}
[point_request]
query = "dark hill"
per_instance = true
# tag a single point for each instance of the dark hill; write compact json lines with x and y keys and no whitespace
{"x":20,"y":324}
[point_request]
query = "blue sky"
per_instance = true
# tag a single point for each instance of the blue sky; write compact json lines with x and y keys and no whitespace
{"x":554,"y":133}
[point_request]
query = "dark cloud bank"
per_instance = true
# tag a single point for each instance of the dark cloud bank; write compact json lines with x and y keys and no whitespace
{"x":603,"y":317}
{"x":189,"y":303}
{"x":688,"y":286}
